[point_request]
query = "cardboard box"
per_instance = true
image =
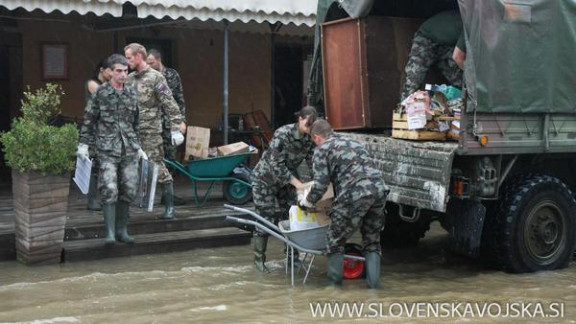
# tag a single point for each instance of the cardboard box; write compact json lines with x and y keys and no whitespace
{"x":325,"y":203}
{"x":197,"y":142}
{"x":235,"y":148}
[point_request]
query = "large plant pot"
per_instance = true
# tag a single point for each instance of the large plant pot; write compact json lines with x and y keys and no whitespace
{"x":40,"y":204}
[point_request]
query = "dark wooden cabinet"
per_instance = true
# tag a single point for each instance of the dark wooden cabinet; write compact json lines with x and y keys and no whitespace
{"x":363,"y":66}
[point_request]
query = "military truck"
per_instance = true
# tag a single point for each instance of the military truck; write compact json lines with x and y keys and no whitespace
{"x":505,"y":190}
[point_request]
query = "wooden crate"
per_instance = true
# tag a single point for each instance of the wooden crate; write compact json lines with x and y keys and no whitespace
{"x":400,"y":130}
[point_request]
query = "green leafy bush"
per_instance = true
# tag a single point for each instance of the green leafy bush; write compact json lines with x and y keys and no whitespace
{"x":34,"y":145}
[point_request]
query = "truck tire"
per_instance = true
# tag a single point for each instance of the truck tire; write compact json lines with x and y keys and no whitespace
{"x":401,"y":234}
{"x":532,"y":226}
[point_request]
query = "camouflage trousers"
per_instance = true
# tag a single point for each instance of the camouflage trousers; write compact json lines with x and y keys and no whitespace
{"x":265,"y":196}
{"x":118,"y":178}
{"x":423,"y":55}
{"x":152,"y":145}
{"x":365,"y":213}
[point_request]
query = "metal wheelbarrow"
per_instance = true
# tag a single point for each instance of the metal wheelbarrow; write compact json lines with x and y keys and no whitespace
{"x":310,"y":241}
{"x":236,"y":188}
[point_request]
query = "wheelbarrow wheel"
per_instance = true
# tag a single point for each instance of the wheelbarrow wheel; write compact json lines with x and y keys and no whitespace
{"x":353,"y":269}
{"x":237,"y":193}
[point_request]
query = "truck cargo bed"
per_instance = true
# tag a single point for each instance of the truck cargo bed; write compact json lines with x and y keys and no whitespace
{"x":418,"y":173}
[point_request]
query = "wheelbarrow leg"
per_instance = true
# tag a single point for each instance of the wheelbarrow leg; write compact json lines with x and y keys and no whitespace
{"x":292,"y":264}
{"x":308,"y":268}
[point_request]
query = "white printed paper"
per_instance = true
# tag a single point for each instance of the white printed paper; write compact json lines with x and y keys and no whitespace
{"x":82,"y":174}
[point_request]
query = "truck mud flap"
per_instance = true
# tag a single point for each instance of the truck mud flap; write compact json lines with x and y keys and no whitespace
{"x":465,"y":222}
{"x":418,"y":173}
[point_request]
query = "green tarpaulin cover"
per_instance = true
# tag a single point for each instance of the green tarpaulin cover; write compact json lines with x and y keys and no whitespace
{"x":521,"y":55}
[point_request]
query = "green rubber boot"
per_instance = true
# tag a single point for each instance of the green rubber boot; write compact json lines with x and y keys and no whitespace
{"x":122,"y":215}
{"x":372,"y":263}
{"x":335,"y":266}
{"x":109,"y":211}
{"x":168,"y":195}
{"x":260,"y":243}
{"x":93,"y":203}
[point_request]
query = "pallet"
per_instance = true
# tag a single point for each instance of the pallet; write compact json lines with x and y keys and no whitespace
{"x":400,"y":130}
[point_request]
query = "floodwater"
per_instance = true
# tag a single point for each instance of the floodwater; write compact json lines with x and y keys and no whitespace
{"x":427,"y":284}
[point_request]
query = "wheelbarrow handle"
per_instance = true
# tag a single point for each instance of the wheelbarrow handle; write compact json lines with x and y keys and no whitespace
{"x":253,"y":214}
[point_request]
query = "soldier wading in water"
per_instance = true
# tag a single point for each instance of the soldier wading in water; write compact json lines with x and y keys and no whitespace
{"x":276,"y":178}
{"x":359,"y":198}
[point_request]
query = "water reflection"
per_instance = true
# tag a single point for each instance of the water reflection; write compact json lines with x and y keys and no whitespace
{"x":221,"y":286}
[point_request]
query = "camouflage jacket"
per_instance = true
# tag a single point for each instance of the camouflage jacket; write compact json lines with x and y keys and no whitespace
{"x":112,"y":121}
{"x":175,"y":84}
{"x":345,"y":163}
{"x":154,"y":99}
{"x":286,"y":152}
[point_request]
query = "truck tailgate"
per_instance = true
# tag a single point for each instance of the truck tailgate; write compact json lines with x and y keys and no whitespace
{"x":418,"y":173}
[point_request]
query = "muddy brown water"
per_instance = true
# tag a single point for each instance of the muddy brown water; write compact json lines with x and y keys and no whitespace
{"x":427,"y":284}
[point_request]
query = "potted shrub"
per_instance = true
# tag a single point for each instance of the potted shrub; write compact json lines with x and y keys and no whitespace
{"x":41,"y":157}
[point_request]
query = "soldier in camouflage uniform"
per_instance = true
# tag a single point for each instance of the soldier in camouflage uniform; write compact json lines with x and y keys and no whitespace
{"x":101,"y":74}
{"x":175,"y":84}
{"x":154,"y":100}
{"x":437,"y":41}
{"x":359,"y":198}
{"x":275,"y":176}
{"x":111,"y":122}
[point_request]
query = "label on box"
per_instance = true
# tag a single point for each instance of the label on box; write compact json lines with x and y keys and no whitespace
{"x":417,"y":120}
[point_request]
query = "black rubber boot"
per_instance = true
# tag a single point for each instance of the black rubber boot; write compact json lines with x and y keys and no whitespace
{"x":109,"y":211}
{"x":335,"y":265}
{"x":260,"y":243}
{"x":93,"y":203}
{"x":122,"y":215}
{"x":372,"y":263}
{"x":168,"y":195}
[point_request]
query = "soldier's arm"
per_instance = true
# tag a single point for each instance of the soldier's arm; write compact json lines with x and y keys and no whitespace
{"x":321,"y":175}
{"x":91,"y":115}
{"x":280,"y":156}
{"x":309,"y":160}
{"x":168,"y":104}
{"x":136,"y":123}
{"x":178,"y":94}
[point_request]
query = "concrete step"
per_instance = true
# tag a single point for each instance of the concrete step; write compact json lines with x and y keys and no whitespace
{"x":151,"y":226}
{"x":92,"y":249}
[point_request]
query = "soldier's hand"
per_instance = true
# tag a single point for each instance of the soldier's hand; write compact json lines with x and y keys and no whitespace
{"x":183,"y":127}
{"x":142,"y":155}
{"x":177,"y":138}
{"x":82,"y":151}
{"x":304,"y":204}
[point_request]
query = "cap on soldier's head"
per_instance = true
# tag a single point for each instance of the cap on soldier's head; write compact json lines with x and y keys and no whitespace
{"x":307,"y":111}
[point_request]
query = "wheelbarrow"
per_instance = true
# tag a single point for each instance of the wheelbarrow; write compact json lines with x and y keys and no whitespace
{"x":236,"y":186}
{"x":311,"y":241}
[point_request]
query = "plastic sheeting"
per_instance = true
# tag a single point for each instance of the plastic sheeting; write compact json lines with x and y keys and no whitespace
{"x":520,"y":55}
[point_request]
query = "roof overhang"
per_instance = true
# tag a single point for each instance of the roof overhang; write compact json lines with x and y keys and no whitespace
{"x":297,"y":12}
